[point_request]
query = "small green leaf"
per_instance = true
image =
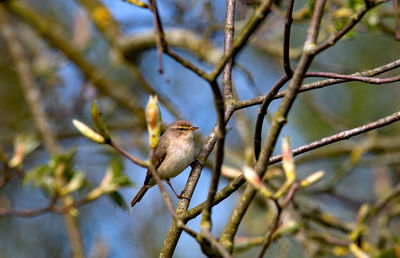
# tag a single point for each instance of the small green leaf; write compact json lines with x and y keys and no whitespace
{"x":98,"y":122}
{"x":41,"y":177}
{"x":116,"y":165}
{"x":117,"y":198}
{"x":121,"y":181}
{"x":46,"y":176}
{"x":74,"y":184}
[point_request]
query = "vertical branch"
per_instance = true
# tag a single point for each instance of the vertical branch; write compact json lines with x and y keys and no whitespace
{"x":396,"y":19}
{"x":33,"y":99}
{"x":263,"y":110}
{"x":160,"y":39}
{"x":220,"y":135}
{"x":278,"y":122}
{"x":219,"y":105}
{"x":74,"y":236}
{"x":279,"y":84}
{"x":286,"y":39}
{"x":229,"y":34}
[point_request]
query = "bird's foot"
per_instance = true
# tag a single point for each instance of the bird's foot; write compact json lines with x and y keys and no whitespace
{"x":182,"y":197}
{"x":195,"y":162}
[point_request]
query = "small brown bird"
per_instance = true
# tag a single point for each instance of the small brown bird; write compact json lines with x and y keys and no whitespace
{"x":174,"y":152}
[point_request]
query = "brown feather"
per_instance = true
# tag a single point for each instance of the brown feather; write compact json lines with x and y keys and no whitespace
{"x":139,"y":195}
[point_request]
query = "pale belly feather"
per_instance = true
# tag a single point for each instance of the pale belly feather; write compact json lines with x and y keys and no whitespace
{"x":179,"y":157}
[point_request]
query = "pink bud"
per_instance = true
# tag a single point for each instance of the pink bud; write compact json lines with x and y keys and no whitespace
{"x":287,"y":161}
{"x":252,"y":177}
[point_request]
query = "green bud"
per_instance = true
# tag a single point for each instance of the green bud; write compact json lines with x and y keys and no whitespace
{"x":88,"y":132}
{"x":153,"y":117}
{"x":357,"y":252}
{"x":312,"y":179}
{"x":98,"y":122}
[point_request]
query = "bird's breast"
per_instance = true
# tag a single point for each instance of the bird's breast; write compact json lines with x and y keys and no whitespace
{"x":179,"y":156}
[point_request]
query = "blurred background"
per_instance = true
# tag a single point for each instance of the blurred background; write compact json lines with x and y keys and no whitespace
{"x":85,"y":50}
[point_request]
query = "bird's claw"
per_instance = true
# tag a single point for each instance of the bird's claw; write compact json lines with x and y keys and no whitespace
{"x":195,"y":163}
{"x":182,"y":197}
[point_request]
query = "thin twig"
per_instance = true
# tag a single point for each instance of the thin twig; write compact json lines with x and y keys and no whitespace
{"x":134,"y":159}
{"x":150,"y":167}
{"x":370,"y":80}
{"x":275,"y":225}
{"x":160,"y":39}
{"x":217,"y":245}
{"x":286,"y":39}
{"x":277,"y":220}
{"x":320,"y":84}
{"x":341,"y":136}
{"x":263,"y":110}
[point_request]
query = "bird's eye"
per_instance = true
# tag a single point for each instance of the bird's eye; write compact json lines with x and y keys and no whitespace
{"x":181,"y":129}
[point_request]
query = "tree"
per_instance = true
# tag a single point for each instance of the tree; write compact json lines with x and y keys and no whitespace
{"x":65,"y":55}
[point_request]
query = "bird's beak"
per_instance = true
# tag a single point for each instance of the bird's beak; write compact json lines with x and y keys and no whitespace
{"x":193,"y":128}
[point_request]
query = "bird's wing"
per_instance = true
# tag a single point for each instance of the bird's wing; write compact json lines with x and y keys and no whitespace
{"x":159,"y":156}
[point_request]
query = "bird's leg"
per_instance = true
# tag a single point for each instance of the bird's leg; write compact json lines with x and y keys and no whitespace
{"x":195,"y":162}
{"x":179,"y":196}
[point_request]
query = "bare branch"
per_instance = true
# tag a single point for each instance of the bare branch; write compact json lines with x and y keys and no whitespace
{"x":324,"y":83}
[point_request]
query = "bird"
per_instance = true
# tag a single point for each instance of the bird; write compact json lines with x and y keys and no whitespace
{"x":175,"y":151}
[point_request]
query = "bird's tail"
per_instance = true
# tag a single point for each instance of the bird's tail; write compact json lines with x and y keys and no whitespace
{"x":139,"y":195}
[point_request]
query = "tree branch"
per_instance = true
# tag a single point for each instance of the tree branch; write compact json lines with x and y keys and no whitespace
{"x":324,"y":83}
